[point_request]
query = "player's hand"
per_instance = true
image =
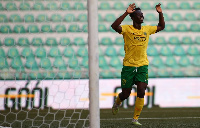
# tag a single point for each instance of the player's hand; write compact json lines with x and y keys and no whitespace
{"x":131,"y":8}
{"x":158,"y":8}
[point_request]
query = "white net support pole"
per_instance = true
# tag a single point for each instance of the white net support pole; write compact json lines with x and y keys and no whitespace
{"x":93,"y":64}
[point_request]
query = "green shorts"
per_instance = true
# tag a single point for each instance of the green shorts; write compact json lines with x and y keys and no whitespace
{"x":130,"y":75}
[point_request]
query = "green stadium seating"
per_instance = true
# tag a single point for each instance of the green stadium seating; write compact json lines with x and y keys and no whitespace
{"x":3,"y":63}
{"x":77,"y":73}
{"x":187,"y":40}
{"x":64,"y":75}
{"x":69,"y":18}
{"x":112,"y":30}
{"x":185,"y":5}
{"x":190,"y":72}
{"x":19,"y":29}
{"x":106,"y":74}
{"x":5,"y":29}
{"x":197,"y":39}
{"x":179,"y":51}
{"x":79,"y":41}
{"x":150,"y":42}
{"x":60,"y":28}
{"x":184,"y":61}
{"x":2,"y":53}
{"x":145,"y":6}
{"x":117,"y":72}
{"x":33,"y":28}
{"x":68,"y":52}
{"x":162,"y":72}
{"x":52,"y":6}
{"x":74,"y":28}
{"x":177,"y":72}
{"x":119,"y":41}
{"x":38,"y":6}
{"x":160,"y":40}
{"x":192,"y":51}
{"x":196,"y":61}
{"x":79,"y":6}
{"x":13,"y":52}
{"x":45,"y":63}
{"x":9,"y":41}
{"x":64,"y":41}
{"x":106,"y":41}
{"x":152,"y":51}
{"x":169,"y":28}
{"x":29,"y":18}
{"x":56,"y":18}
{"x":110,"y":17}
{"x":49,"y":74}
{"x":182,"y":28}
{"x":23,"y":41}
{"x":166,"y":17}
{"x":165,"y":51}
{"x":118,"y":6}
{"x":1,"y":7}
{"x":121,"y":52}
{"x":15,"y":18}
{"x":115,"y":62}
{"x":27,"y":53}
{"x":59,"y":63}
{"x":174,"y":40}
{"x":171,"y":61}
{"x":195,"y":27}
{"x":196,"y":5}
{"x":151,"y":73}
{"x":102,"y":62}
{"x":42,"y":18}
{"x":190,"y":17}
{"x":150,"y":17}
{"x":85,"y":28}
{"x":54,"y":52}
{"x":110,"y":51}
{"x":16,"y":63}
{"x":127,"y":18}
{"x":73,"y":62}
{"x":177,"y":17}
{"x":102,"y":28}
{"x":3,"y":18}
{"x":31,"y":63}
{"x":85,"y":62}
{"x":100,"y":18}
{"x":11,"y":6}
{"x":37,"y":41}
{"x":40,"y":52}
{"x":51,"y":41}
{"x":157,"y":62}
{"x":35,"y":75}
{"x":104,"y":6}
{"x":171,"y":6}
{"x":65,"y":6}
{"x":82,"y":52}
{"x":24,"y":6}
{"x":82,"y":17}
{"x":46,"y":28}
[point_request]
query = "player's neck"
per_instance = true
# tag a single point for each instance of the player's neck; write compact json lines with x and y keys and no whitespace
{"x":136,"y":25}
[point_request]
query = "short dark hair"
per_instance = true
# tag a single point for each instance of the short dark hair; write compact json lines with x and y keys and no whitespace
{"x":132,"y":14}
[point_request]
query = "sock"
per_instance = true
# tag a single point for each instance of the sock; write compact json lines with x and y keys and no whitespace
{"x":139,"y":103}
{"x":118,"y":100}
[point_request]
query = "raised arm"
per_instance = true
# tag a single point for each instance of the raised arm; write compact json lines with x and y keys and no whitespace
{"x":116,"y":25}
{"x":161,"y":24}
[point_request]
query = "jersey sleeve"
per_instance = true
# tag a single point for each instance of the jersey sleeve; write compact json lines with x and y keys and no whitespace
{"x":123,"y":29}
{"x":152,"y":29}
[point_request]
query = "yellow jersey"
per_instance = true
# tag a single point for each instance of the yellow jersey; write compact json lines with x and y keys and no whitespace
{"x":136,"y":42}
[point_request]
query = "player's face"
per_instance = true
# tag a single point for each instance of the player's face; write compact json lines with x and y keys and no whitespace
{"x":138,"y":17}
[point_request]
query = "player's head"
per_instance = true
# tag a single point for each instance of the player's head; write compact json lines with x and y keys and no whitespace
{"x":137,"y":16}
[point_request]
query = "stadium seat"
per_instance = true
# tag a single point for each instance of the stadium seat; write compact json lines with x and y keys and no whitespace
{"x":56,"y":18}
{"x":31,"y":63}
{"x":60,"y":28}
{"x":1,"y":7}
{"x":119,"y":41}
{"x":5,"y":29}
{"x":100,"y":18}
{"x":65,"y":6}
{"x":79,"y":6}
{"x":77,"y":73}
{"x":54,"y":52}
{"x":171,"y":6}
{"x":82,"y":52}
{"x":121,"y":52}
{"x":29,"y":18}
{"x":79,"y":41}
{"x":160,"y":40}
{"x":68,"y":52}
{"x":115,"y":62}
{"x":64,"y":75}
{"x":46,"y":28}
{"x":73,"y":62}
{"x":165,"y":51}
{"x":197,"y":39}
{"x":184,"y":61}
{"x":187,"y":40}
{"x":162,"y":72}
{"x":19,"y":29}
{"x":65,"y":41}
{"x":23,"y":41}
{"x":106,"y":41}
{"x":13,"y":52}
{"x":38,"y":6}
{"x":45,"y":63}
{"x":195,"y":27}
{"x":11,"y":6}
{"x":110,"y":17}
{"x":177,"y":17}
{"x":185,"y":5}
{"x":177,"y":72}
{"x":15,"y":18}
{"x":49,"y":74}
{"x":118,"y":6}
{"x":3,"y":18}
{"x":110,"y":51}
{"x":37,"y":41}
{"x":42,"y":18}
{"x":190,"y":17}
{"x":179,"y":51}
{"x":52,"y":6}
{"x":69,"y":18}
{"x":51,"y":41}
{"x":157,"y":62}
{"x":40,"y":52}
{"x":2,"y":53}
{"x":85,"y":62}
{"x":171,"y":61}
{"x":106,"y":74}
{"x":102,"y":62}
{"x":192,"y":51}
{"x":166,"y":17}
{"x":33,"y":28}
{"x":169,"y":28}
{"x":174,"y":40}
{"x":152,"y":51}
{"x":24,"y":6}
{"x":27,"y":53}
{"x":151,"y":73}
{"x":190,"y":72}
{"x":182,"y":28}
{"x":196,"y":61}
{"x":85,"y":28}
{"x":102,"y":28}
{"x":74,"y":28}
{"x":150,"y":17}
{"x":3,"y":63}
{"x":150,"y":42}
{"x":35,"y":75}
{"x":145,"y":6}
{"x":82,"y":17}
{"x":9,"y":41}
{"x":104,"y":6}
{"x":16,"y":63}
{"x":196,"y":5}
{"x":59,"y":63}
